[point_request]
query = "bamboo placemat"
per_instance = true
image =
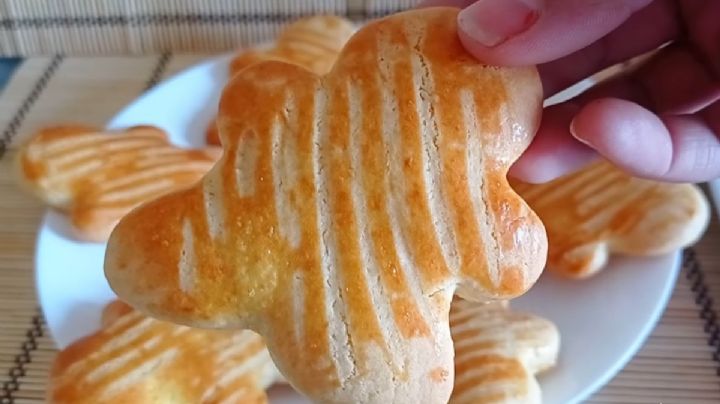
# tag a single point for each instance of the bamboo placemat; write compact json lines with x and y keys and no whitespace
{"x":111,"y":27}
{"x":680,"y":363}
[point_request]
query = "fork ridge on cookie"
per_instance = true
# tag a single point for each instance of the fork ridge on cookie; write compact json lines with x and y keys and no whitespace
{"x":347,"y":210}
{"x":311,"y":42}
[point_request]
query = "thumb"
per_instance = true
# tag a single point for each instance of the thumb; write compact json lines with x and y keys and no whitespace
{"x":528,"y":32}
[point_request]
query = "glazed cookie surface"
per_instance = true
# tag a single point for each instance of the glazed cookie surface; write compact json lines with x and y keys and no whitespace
{"x":347,"y":210}
{"x":599,"y":211}
{"x":97,"y":176}
{"x":136,"y":359}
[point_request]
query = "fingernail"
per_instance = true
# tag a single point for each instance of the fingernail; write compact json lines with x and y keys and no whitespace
{"x":573,"y":132}
{"x":492,"y":22}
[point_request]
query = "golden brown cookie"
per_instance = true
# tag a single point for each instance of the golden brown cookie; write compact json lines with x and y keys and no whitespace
{"x":347,"y":210}
{"x":97,"y":176}
{"x":498,"y":352}
{"x":600,"y":210}
{"x":136,"y":359}
{"x":312,"y":42}
{"x":212,"y":136}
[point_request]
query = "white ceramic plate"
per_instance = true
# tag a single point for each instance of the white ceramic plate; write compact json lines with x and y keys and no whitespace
{"x":603,"y":321}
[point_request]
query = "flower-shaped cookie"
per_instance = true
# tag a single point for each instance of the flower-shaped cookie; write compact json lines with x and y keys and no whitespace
{"x":347,"y":210}
{"x":136,"y":359}
{"x":498,"y":352}
{"x":600,"y":210}
{"x":312,"y":42}
{"x":97,"y":176}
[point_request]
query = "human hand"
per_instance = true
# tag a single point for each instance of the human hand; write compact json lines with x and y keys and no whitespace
{"x":661,"y":121}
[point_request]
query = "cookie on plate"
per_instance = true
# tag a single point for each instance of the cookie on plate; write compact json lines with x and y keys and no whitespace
{"x":97,"y":176}
{"x":600,"y":210}
{"x":498,"y":352}
{"x":347,"y":210}
{"x":136,"y":359}
{"x":312,"y":42}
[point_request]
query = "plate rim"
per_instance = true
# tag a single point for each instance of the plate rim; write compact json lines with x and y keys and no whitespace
{"x":632,"y":350}
{"x":111,"y":123}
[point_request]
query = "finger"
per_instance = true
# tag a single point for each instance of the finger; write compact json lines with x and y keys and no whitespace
{"x":528,"y":32}
{"x":701,"y":19}
{"x":553,"y":152}
{"x":674,"y":81}
{"x":644,"y":31}
{"x":675,"y":148}
{"x":711,"y":116}
{"x":696,"y":147}
{"x":677,"y":82}
{"x":627,"y":134}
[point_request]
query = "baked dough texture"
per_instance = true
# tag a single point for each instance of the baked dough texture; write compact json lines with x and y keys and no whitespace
{"x":600,"y":210}
{"x":136,"y":359}
{"x":347,"y":210}
{"x":96,"y":176}
{"x":498,"y":352}
{"x":312,"y":42}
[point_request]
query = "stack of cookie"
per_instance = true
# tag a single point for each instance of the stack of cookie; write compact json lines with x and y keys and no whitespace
{"x":137,"y":359}
{"x":359,"y":220}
